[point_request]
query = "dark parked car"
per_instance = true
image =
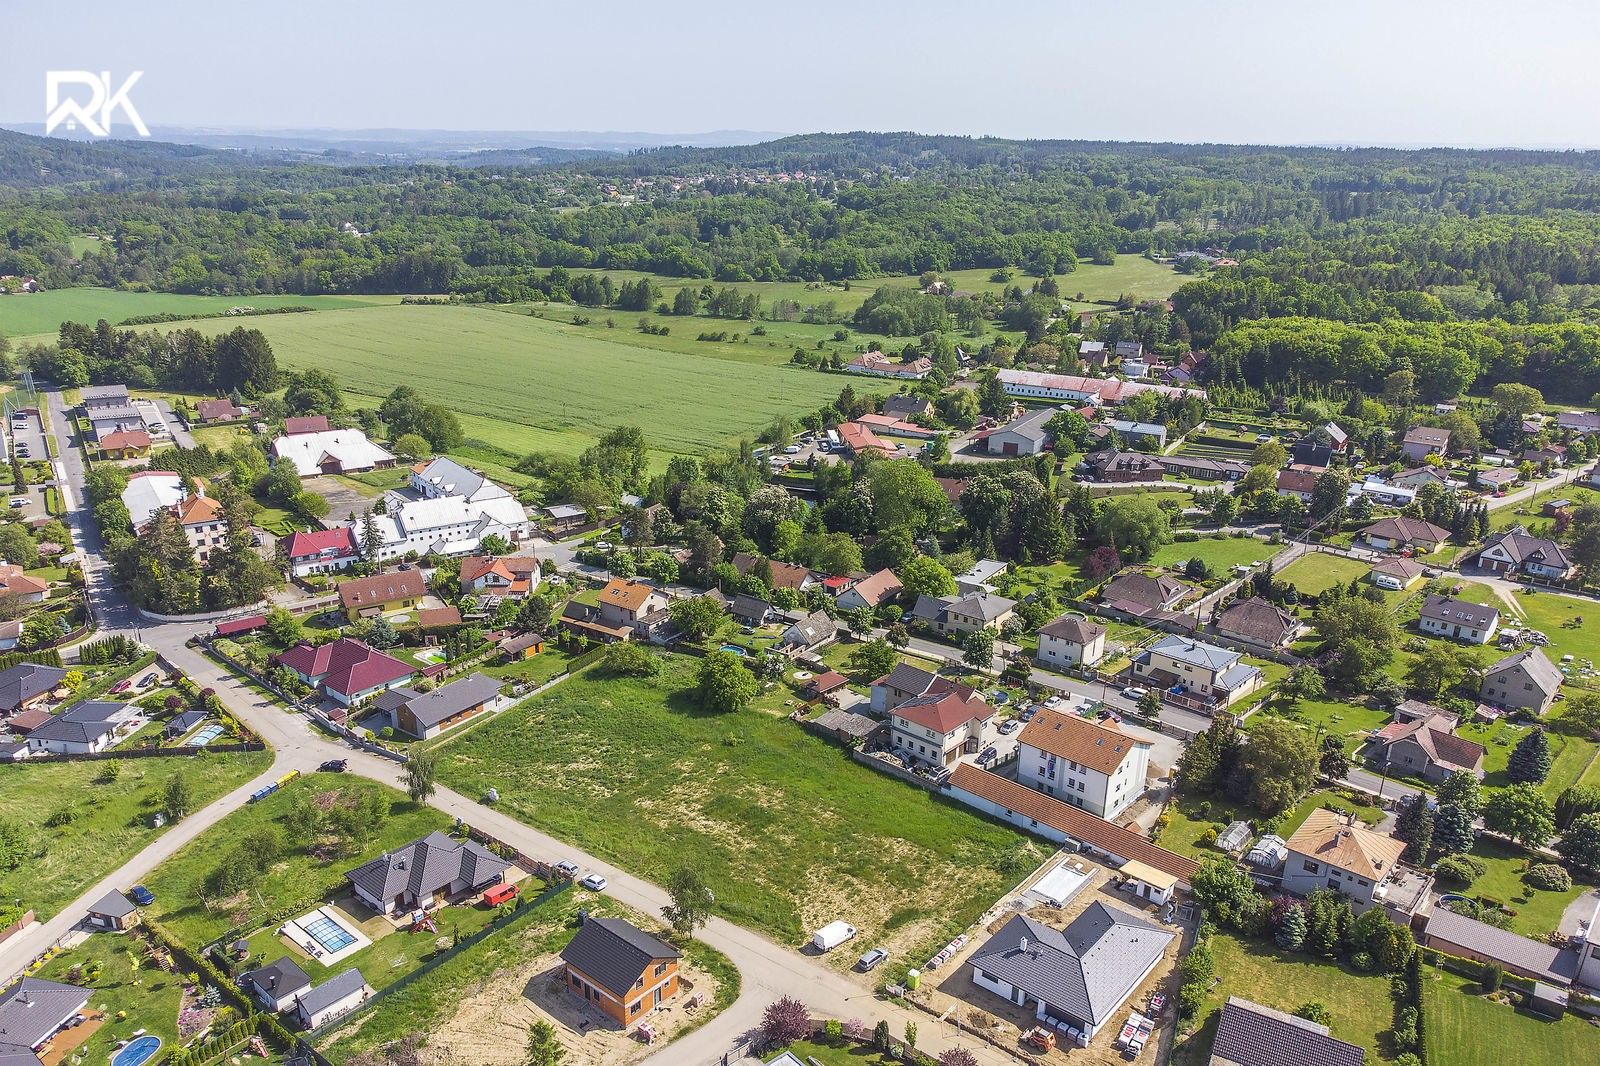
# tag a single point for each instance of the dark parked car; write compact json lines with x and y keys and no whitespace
{"x":141,"y":895}
{"x":987,"y":755}
{"x":335,"y":766}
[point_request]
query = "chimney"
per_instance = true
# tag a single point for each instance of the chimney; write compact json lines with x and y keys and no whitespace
{"x":1022,"y":945}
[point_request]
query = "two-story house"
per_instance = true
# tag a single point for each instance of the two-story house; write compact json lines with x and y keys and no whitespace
{"x":321,"y":551}
{"x":959,"y":615}
{"x":1427,"y":747}
{"x":1334,"y":850}
{"x":1423,"y":441}
{"x":1515,"y":551}
{"x":1096,"y":767}
{"x":1071,"y":640}
{"x":620,"y":969}
{"x":1213,"y":675}
{"x":936,"y":728}
{"x":1470,"y":623}
{"x":1525,"y":680}
{"x":622,"y":612}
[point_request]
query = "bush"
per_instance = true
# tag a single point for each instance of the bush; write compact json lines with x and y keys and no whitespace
{"x":1209,"y":836}
{"x":1190,"y":997}
{"x":1362,"y":961}
{"x":1314,"y":1012}
{"x":1549,"y":877}
{"x":1460,"y":869}
{"x":1490,"y":976}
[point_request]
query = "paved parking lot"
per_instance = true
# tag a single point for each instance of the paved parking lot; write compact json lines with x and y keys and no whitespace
{"x":25,"y":436}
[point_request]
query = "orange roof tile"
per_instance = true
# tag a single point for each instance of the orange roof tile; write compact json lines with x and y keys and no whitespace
{"x":1099,"y":747}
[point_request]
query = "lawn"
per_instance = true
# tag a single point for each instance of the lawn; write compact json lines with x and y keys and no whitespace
{"x":1360,"y":1005}
{"x":784,"y":827}
{"x":1537,"y":912}
{"x":43,"y":312}
{"x":526,"y":384}
{"x":1565,"y":620}
{"x":1219,"y":554}
{"x":1317,"y":572}
{"x":309,"y":868}
{"x":129,"y":983}
{"x":841,"y":1054}
{"x":1191,"y":816}
{"x":550,"y":663}
{"x":1465,"y":1029}
{"x":1349,"y":721}
{"x":103,"y":823}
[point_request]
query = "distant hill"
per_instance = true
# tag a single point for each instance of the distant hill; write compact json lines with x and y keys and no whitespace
{"x":29,"y":161}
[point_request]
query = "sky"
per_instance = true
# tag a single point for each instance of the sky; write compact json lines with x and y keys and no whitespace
{"x":1386,"y":72}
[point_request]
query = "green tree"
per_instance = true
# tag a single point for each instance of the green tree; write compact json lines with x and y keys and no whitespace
{"x":178,"y":797}
{"x":1579,"y":845}
{"x":1460,"y":802}
{"x":723,"y":684}
{"x":977,"y":649}
{"x":697,"y":617}
{"x":691,"y":902}
{"x":1530,"y":759}
{"x":544,"y":1048}
{"x":873,"y":659}
{"x":1133,"y":525}
{"x":922,"y":576}
{"x":1522,"y":813}
{"x":1281,"y":763}
{"x":422,"y":768}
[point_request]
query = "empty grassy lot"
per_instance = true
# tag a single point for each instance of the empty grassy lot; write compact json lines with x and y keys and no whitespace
{"x":784,"y":827}
{"x":533,"y":384}
{"x":43,"y":312}
{"x":1466,"y":1029}
{"x":1219,"y":555}
{"x":1317,"y":572}
{"x":102,"y":822}
{"x":1283,"y":980}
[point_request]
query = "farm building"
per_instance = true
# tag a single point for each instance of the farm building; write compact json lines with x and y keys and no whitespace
{"x":333,"y":451}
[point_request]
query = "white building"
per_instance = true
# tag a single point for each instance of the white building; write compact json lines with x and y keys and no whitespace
{"x":450,"y":511}
{"x":938,"y":727}
{"x":1071,"y":641}
{"x":149,"y":492}
{"x":1096,"y":767}
{"x":333,"y":451}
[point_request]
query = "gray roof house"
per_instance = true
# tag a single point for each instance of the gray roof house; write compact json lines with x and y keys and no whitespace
{"x":1197,"y":670}
{"x":33,"y":1010}
{"x":276,"y":985}
{"x":1469,"y":938}
{"x":1081,"y":975}
{"x":614,"y":953}
{"x":812,"y":631}
{"x":336,"y":996}
{"x":1258,"y":622}
{"x":1525,"y":680}
{"x":427,"y":714}
{"x":25,"y":684}
{"x":1249,"y":1034}
{"x":1022,"y":436}
{"x":84,"y":727}
{"x":424,"y":872}
{"x":1471,"y":623}
{"x":113,"y":911}
{"x":905,"y":405}
{"x":963,"y":614}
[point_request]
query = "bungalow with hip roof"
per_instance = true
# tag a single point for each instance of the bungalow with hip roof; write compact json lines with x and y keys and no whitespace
{"x":347,"y":670}
{"x":369,"y":597}
{"x":1516,"y":551}
{"x":873,"y":591}
{"x":321,"y":551}
{"x":620,"y":969}
{"x":333,"y":998}
{"x":218,"y":411}
{"x":1334,"y":850}
{"x":1249,"y":1034}
{"x":25,"y":684}
{"x":1525,"y":680}
{"x":1499,"y":479}
{"x":1418,"y":476}
{"x":334,"y":451}
{"x":1216,"y":676}
{"x":124,"y":444}
{"x":938,"y":727}
{"x":1096,"y":767}
{"x":84,"y":728}
{"x":1423,"y":441}
{"x":425,"y":715}
{"x":1079,"y":976}
{"x":1142,"y":595}
{"x":1470,"y":623}
{"x":959,"y":615}
{"x":32,"y":1011}
{"x":512,"y":576}
{"x":784,"y":575}
{"x":277,"y":985}
{"x":1427,"y":747}
{"x":1021,"y":436}
{"x":1393,"y":534}
{"x":905,"y":405}
{"x":17,"y":587}
{"x":1071,"y":640}
{"x":1256,"y":621}
{"x":426,"y":873}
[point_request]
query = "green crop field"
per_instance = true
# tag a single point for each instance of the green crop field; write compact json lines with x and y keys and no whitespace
{"x":38,"y":315}
{"x":528,"y":384}
{"x":787,"y":830}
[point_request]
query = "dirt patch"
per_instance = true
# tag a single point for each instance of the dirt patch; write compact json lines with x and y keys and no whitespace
{"x":343,"y":501}
{"x":490,"y":1027}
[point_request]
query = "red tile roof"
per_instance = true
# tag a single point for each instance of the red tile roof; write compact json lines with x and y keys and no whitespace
{"x":217,"y":410}
{"x":382,"y":588}
{"x":943,"y":712}
{"x":1064,"y":818}
{"x":306,"y":424}
{"x":124,"y":438}
{"x":341,"y":539}
{"x":241,"y":625}
{"x":345,"y":666}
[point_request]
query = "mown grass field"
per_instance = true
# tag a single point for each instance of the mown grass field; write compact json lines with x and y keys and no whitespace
{"x":106,"y":821}
{"x":784,"y":827}
{"x":1219,"y":555}
{"x":1284,"y":980}
{"x":1465,"y":1029}
{"x":22,"y":316}
{"x":1317,"y":572}
{"x":534,"y":384}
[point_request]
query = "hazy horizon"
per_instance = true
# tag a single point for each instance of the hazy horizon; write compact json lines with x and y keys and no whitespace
{"x":1368,"y":73}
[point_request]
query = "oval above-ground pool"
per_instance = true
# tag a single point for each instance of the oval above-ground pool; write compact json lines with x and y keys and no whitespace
{"x":139,"y":1050}
{"x":736,"y":649}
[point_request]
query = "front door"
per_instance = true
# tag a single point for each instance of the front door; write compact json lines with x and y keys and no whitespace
{"x":657,"y":1001}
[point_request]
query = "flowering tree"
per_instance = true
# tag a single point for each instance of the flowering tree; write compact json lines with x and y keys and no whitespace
{"x":785,"y":1021}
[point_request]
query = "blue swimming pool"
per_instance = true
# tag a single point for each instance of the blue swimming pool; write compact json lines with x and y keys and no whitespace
{"x":206,"y":736}
{"x":328,"y":933}
{"x":736,"y":649}
{"x":139,"y":1050}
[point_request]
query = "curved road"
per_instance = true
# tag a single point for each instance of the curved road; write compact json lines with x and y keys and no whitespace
{"x":768,"y":970}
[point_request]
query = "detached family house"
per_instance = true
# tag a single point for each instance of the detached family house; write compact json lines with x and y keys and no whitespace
{"x":1396,"y":574}
{"x":321,"y":551}
{"x":1526,"y":680}
{"x":626,"y":609}
{"x":1393,"y":534}
{"x":347,"y":669}
{"x":873,"y":591}
{"x":84,"y":728}
{"x":1255,"y":621}
{"x":1096,"y":767}
{"x":1515,"y":551}
{"x":1215,"y":676}
{"x":938,"y":727}
{"x":1470,"y":623}
{"x":425,"y":715}
{"x":1334,"y":850}
{"x":1071,"y":641}
{"x":369,"y":597}
{"x":1079,"y":976}
{"x":963,"y":614}
{"x":1142,"y":595}
{"x":619,"y":968}
{"x":277,"y":985}
{"x":426,"y":873}
{"x":513,"y":576}
{"x":1423,"y":441}
{"x":27,"y":684}
{"x":1427,"y":747}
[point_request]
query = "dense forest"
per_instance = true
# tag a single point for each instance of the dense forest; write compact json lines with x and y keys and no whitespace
{"x":1467,"y":267}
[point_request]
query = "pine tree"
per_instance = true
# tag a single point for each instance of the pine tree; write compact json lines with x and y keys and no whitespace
{"x":1530,"y":759}
{"x":371,"y":540}
{"x":1415,"y":827}
{"x":1292,"y":930}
